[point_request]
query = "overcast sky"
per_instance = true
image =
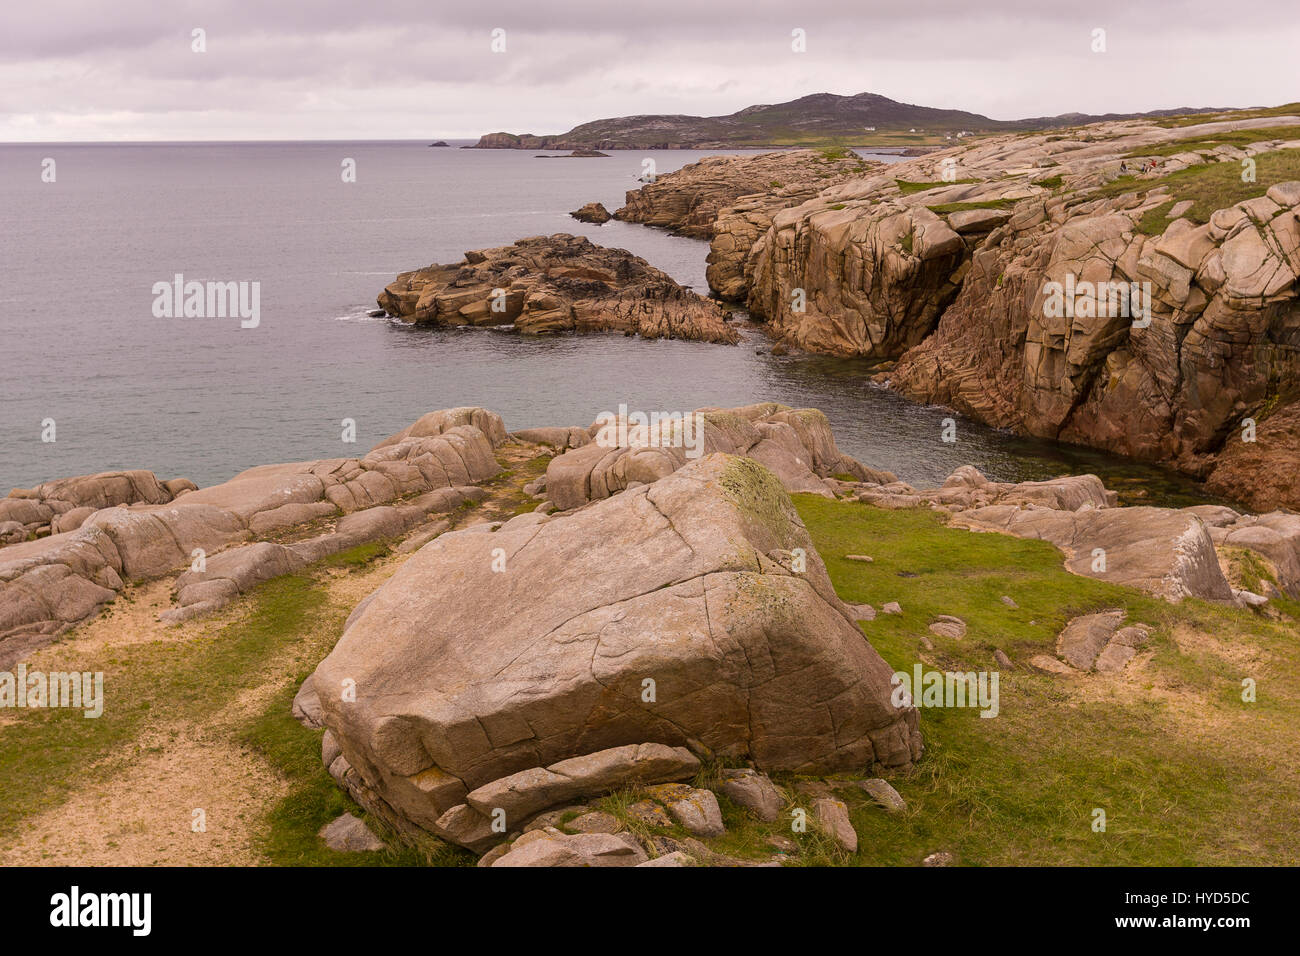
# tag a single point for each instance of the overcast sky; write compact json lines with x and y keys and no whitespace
{"x":379,"y":69}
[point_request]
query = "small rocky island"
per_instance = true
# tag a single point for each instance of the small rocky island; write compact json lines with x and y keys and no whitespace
{"x":580,"y":153}
{"x":592,"y":212}
{"x":560,"y":283}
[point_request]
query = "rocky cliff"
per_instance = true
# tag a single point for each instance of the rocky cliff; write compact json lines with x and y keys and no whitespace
{"x":688,"y":200}
{"x":557,"y":283}
{"x":1177,"y":246}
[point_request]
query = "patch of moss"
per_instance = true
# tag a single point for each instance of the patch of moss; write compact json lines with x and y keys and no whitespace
{"x":357,"y":557}
{"x":907,"y":187}
{"x":759,"y":493}
{"x":948,"y":207}
{"x":1155,"y":221}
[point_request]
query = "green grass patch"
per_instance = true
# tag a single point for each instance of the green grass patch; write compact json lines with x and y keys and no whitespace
{"x":1214,"y":185}
{"x":1196,"y":119}
{"x":48,"y":754}
{"x":948,"y":207}
{"x":356,"y":557}
{"x":1238,"y":138}
{"x":1155,"y":221}
{"x":1187,"y":772}
{"x":290,"y":833}
{"x":907,"y":187}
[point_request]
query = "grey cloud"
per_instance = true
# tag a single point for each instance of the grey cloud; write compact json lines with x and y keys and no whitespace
{"x":404,"y":68}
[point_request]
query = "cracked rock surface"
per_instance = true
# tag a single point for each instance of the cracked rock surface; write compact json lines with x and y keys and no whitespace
{"x":465,"y":676}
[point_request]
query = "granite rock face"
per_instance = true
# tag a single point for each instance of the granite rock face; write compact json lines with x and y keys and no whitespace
{"x":559,"y":283}
{"x":49,"y":584}
{"x":945,"y":263}
{"x":592,"y":212}
{"x":795,"y":444}
{"x":666,"y":615}
{"x":63,"y":504}
{"x":1166,"y":552}
{"x":688,"y":200}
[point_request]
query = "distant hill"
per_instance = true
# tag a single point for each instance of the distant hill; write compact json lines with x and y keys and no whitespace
{"x":818,"y":119}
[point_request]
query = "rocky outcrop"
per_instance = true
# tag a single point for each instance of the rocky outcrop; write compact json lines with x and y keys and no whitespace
{"x":1274,"y":536}
{"x":946,"y":263}
{"x":49,"y":584}
{"x":592,"y":212}
{"x":795,"y":444}
{"x":666,"y":615}
{"x":687,"y":201}
{"x":63,"y":504}
{"x":1166,"y":552}
{"x":1169,"y":552}
{"x":581,"y":153}
{"x":1100,"y":642}
{"x":509,"y":141}
{"x":1262,"y":472}
{"x":277,"y":519}
{"x":559,"y":283}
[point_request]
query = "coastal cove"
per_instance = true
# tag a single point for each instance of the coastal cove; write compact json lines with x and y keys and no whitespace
{"x":205,"y":398}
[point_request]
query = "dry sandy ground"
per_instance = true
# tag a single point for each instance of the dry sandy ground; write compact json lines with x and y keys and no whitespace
{"x":139,"y":808}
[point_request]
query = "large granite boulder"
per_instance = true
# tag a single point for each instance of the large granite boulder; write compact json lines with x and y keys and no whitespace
{"x":693,"y":611}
